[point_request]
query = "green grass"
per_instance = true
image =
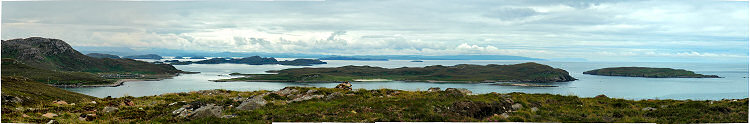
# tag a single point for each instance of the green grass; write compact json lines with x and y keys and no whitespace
{"x":395,"y":105}
{"x":32,"y":92}
{"x":11,"y":67}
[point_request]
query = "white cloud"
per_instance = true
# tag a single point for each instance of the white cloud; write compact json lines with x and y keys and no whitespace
{"x":542,"y":29}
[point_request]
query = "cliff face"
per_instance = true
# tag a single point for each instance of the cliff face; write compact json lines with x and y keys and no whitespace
{"x":55,"y":54}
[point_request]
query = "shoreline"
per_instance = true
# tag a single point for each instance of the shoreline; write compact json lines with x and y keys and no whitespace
{"x":120,"y":82}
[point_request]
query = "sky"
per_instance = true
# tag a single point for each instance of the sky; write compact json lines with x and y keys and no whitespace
{"x":630,"y":30}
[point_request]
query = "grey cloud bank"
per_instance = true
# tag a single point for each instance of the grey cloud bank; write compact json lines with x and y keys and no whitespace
{"x":594,"y":30}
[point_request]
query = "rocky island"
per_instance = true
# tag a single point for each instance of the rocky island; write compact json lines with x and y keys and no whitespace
{"x":351,"y":58}
{"x":147,"y":56}
{"x":463,"y":73}
{"x":648,"y":72}
{"x":254,"y":60}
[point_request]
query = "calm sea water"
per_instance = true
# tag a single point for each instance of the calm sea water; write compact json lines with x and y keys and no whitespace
{"x":733,"y":85}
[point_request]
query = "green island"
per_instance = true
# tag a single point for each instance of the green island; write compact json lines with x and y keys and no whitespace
{"x":53,"y":61}
{"x":648,"y":72}
{"x":524,"y":72}
{"x":26,"y":101}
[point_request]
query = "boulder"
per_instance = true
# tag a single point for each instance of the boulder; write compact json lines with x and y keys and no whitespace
{"x":463,"y":91}
{"x":286,"y":91}
{"x":109,"y":109}
{"x":210,"y":110}
{"x":534,"y":109}
{"x":344,"y":86}
{"x":60,"y":102}
{"x":87,"y":117}
{"x":649,"y":109}
{"x":516,"y":106}
{"x":433,"y":89}
{"x":334,"y":95}
{"x":305,"y":97}
{"x":252,"y":103}
{"x":49,"y":115}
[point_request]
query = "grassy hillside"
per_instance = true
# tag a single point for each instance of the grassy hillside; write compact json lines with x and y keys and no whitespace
{"x":648,"y":72}
{"x":387,"y":105}
{"x":55,"y":54}
{"x":33,"y":93}
{"x":524,"y":72}
{"x":11,"y":67}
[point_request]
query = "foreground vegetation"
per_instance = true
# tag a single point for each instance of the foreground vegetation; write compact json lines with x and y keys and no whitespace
{"x":648,"y":72}
{"x":524,"y":72}
{"x":307,"y":104}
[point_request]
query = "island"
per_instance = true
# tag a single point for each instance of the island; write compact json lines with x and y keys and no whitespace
{"x":178,"y":57}
{"x":197,"y":57}
{"x":102,"y":55}
{"x":648,"y":72}
{"x":253,"y":60}
{"x":416,"y":61}
{"x":351,"y":58}
{"x":463,"y":73}
{"x":147,"y":56}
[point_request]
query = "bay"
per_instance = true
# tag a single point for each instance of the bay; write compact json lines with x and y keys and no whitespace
{"x":734,"y":84}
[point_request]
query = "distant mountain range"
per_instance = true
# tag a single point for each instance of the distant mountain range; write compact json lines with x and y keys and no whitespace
{"x":123,"y":51}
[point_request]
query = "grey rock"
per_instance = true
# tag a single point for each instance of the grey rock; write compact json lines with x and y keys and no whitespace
{"x":334,"y":95}
{"x":109,"y":109}
{"x":534,"y":109}
{"x":504,"y":115}
{"x":516,"y":106}
{"x":311,"y":91}
{"x":286,"y":91}
{"x":305,"y":97}
{"x":433,"y":89}
{"x":648,"y":109}
{"x":252,"y":103}
{"x":458,"y":90}
{"x":210,"y":110}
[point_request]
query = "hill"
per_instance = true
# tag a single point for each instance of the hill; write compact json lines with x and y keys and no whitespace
{"x":12,"y":67}
{"x":102,"y":55}
{"x":648,"y":72}
{"x":524,"y":72}
{"x":55,"y":54}
{"x":23,"y":91}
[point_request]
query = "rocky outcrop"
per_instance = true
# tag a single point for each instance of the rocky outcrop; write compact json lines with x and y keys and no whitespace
{"x":344,"y":86}
{"x":252,"y":103}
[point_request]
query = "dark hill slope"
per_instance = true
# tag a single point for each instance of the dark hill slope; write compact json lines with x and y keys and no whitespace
{"x":19,"y":90}
{"x":55,"y":54}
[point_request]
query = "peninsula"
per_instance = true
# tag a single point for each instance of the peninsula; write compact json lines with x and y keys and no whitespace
{"x":463,"y":73}
{"x":648,"y":72}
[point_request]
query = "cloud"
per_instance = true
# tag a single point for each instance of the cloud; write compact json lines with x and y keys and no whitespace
{"x":595,"y":30}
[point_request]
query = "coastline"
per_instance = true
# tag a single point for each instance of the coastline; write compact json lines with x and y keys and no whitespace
{"x":120,"y":82}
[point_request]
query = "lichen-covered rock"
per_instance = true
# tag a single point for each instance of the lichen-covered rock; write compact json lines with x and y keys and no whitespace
{"x":305,"y":97}
{"x":334,"y":95}
{"x":252,"y":103}
{"x":109,"y":109}
{"x":462,"y":91}
{"x":210,"y":110}
{"x":516,"y":106}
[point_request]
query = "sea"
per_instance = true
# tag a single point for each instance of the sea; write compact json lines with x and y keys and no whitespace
{"x":733,"y":85}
